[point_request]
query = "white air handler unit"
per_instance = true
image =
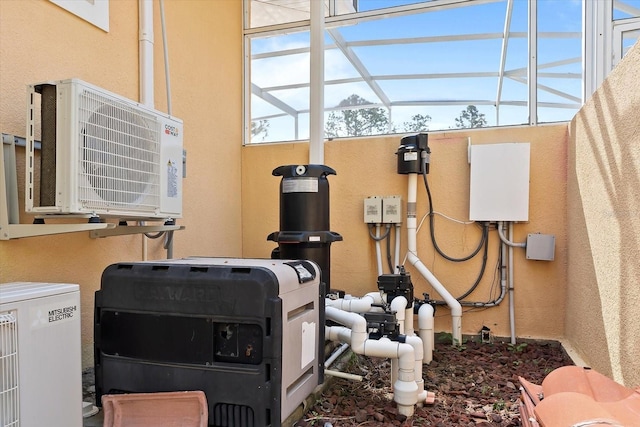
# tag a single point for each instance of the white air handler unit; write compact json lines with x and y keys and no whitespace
{"x":101,"y":154}
{"x":40,"y":366}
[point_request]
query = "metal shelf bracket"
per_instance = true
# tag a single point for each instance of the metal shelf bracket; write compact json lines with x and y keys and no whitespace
{"x":10,"y":227}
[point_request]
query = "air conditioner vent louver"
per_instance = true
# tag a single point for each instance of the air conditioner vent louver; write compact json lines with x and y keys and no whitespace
{"x":120,"y":155}
{"x":9,"y":407}
{"x":102,"y":154}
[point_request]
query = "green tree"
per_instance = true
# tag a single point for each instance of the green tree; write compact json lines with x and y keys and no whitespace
{"x":356,"y":121}
{"x":471,"y":118}
{"x":260,"y":129}
{"x":418,"y":123}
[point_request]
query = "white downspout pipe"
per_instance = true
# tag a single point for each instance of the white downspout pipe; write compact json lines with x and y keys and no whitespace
{"x":145,"y":68}
{"x":425,"y":331}
{"x":145,"y":55}
{"x":355,"y":334}
{"x":412,"y":257}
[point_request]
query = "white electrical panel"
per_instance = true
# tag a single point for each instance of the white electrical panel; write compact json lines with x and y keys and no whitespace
{"x":499,"y":187}
{"x":391,"y":209}
{"x":373,"y":210}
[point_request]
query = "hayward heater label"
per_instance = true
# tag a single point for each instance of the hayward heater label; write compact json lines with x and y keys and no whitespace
{"x":56,"y":313}
{"x":300,"y":185}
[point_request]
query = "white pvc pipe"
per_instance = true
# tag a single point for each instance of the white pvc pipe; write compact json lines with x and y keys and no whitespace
{"x":355,"y":333}
{"x":396,"y":263}
{"x":399,"y":305}
{"x":344,"y":375}
{"x":454,"y":305}
{"x":356,"y":305}
{"x":418,"y":348}
{"x":316,"y":79}
{"x":412,"y":257}
{"x":405,"y":388}
{"x":335,"y":355}
{"x":408,"y":321}
{"x":145,"y":55}
{"x":426,"y":332}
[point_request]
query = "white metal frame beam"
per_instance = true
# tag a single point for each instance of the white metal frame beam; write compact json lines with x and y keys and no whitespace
{"x":599,"y":33}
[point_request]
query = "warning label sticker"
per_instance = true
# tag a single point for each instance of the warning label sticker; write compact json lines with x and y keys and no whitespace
{"x":300,"y":185}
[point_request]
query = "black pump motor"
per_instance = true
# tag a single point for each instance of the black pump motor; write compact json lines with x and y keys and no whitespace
{"x":304,"y":216}
{"x":413,"y":153}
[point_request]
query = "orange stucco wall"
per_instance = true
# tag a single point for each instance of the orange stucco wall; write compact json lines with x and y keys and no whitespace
{"x":367,"y":167}
{"x":603,"y":288}
{"x":582,"y":187}
{"x":40,"y":41}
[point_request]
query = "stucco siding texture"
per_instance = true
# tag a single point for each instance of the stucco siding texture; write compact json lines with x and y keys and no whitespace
{"x":368,"y":167}
{"x":603,"y":294}
{"x":41,"y":41}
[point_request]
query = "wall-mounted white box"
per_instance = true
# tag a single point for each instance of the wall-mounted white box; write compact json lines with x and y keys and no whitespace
{"x":373,"y":210}
{"x":391,"y":209}
{"x":499,"y":184}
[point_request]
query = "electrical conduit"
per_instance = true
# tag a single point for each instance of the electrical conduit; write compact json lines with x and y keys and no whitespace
{"x":509,"y":242}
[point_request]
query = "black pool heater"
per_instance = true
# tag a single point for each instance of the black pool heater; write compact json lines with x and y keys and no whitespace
{"x":248,"y":332}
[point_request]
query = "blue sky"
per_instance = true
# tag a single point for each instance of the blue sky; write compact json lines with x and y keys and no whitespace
{"x":558,"y":16}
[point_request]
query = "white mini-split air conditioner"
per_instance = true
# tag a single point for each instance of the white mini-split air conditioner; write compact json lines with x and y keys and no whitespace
{"x":101,"y":154}
{"x":40,"y":355}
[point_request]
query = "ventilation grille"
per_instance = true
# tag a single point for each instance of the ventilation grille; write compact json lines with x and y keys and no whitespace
{"x":229,"y":415}
{"x":119,"y":155}
{"x":9,"y":414}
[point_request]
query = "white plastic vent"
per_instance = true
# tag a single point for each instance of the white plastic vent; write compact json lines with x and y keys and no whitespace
{"x":120,"y":155}
{"x":9,"y":402}
{"x":101,"y":154}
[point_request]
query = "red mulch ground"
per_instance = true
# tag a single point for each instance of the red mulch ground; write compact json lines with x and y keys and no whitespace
{"x":475,"y":385}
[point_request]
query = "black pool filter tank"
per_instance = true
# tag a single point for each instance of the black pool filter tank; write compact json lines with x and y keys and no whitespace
{"x":304,"y":216}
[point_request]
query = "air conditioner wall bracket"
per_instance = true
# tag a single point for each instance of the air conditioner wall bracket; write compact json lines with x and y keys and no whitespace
{"x":10,"y":227}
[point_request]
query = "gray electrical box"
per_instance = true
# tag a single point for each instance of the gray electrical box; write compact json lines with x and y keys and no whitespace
{"x":541,"y":247}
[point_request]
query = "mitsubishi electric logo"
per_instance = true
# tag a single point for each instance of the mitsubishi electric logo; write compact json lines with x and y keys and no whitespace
{"x":46,"y":315}
{"x":62,"y":313}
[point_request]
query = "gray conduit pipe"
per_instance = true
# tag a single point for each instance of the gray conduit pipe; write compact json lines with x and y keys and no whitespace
{"x":509,"y":242}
